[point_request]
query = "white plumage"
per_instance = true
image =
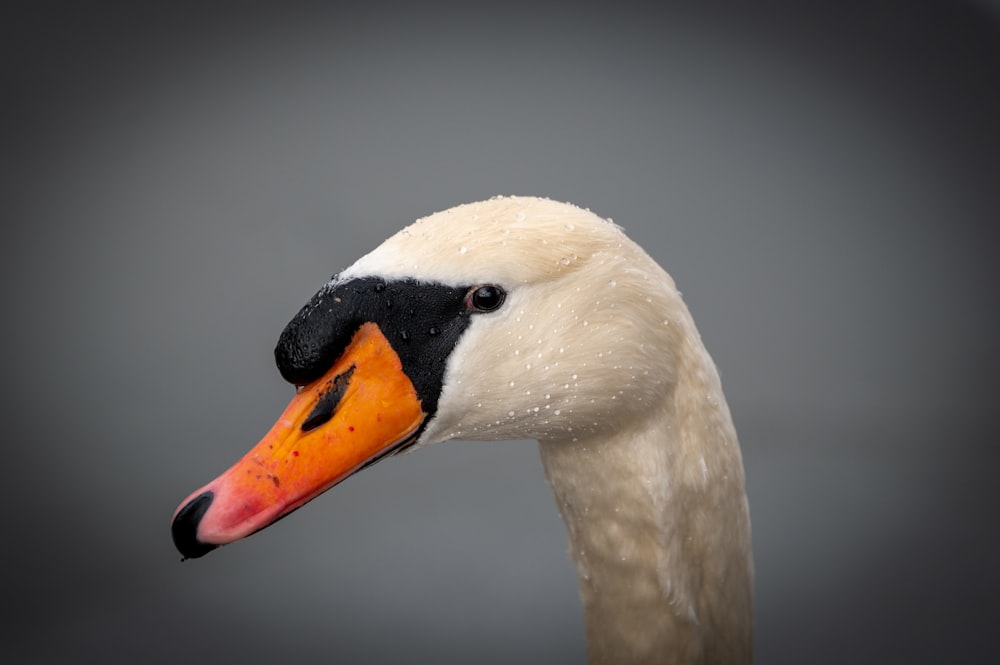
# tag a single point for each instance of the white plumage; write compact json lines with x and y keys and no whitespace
{"x":595,"y":355}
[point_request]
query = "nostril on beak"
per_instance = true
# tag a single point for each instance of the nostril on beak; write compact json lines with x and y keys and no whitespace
{"x":185,"y":527}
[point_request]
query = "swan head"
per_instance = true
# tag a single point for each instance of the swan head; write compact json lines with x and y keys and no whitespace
{"x":512,"y":318}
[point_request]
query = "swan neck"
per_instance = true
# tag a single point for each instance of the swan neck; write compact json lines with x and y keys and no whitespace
{"x":659,"y":530}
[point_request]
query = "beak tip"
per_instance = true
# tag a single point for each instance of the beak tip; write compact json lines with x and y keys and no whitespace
{"x":184,"y":527}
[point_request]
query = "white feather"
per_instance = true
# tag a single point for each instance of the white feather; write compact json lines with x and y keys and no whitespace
{"x":595,"y":355}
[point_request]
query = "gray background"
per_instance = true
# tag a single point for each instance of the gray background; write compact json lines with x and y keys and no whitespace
{"x":178,"y":180}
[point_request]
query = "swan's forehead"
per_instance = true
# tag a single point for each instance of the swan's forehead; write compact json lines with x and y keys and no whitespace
{"x":505,"y":240}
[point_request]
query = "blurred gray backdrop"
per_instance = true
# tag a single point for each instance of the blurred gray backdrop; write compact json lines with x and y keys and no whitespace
{"x":822,"y":180}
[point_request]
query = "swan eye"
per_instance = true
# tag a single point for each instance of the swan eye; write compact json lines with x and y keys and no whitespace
{"x":485,"y":298}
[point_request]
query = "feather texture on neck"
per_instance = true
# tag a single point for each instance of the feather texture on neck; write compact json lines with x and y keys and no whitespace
{"x":659,"y":526}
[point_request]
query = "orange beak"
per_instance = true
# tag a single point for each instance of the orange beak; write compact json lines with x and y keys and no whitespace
{"x":363,"y":408}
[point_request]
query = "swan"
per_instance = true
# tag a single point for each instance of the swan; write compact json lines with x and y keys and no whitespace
{"x":515,"y":318}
